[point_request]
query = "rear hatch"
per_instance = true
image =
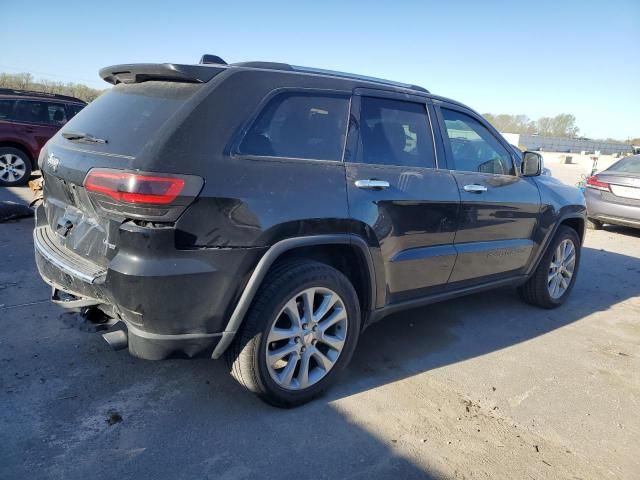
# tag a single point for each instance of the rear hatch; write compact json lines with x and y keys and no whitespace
{"x":106,"y":143}
{"x":624,"y":187}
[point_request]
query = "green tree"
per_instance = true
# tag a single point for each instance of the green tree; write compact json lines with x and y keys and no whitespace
{"x":563,"y":125}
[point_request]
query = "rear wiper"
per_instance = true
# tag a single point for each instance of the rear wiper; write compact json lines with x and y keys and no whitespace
{"x":83,"y":137}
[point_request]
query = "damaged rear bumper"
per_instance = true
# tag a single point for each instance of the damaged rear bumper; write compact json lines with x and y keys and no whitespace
{"x":172,"y":302}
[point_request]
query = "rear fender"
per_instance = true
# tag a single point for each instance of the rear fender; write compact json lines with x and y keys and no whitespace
{"x":269,"y":258}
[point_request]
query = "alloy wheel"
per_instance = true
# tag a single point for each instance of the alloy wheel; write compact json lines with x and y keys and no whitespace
{"x":307,"y":338}
{"x":12,"y":168}
{"x":561,"y":269}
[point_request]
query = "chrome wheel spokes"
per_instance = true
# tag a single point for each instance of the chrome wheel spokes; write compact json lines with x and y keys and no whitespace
{"x":561,"y":270}
{"x":306,"y":338}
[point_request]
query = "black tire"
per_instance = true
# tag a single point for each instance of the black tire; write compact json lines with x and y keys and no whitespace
{"x":246,"y":357}
{"x":593,"y":224}
{"x":536,"y":290}
{"x":8,"y":154}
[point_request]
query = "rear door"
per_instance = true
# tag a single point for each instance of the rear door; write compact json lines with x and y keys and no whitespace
{"x":397,"y":193}
{"x":38,"y":120}
{"x":499,"y":208}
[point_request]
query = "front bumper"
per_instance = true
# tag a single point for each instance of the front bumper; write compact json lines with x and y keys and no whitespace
{"x":608,"y":208}
{"x":173,"y":302}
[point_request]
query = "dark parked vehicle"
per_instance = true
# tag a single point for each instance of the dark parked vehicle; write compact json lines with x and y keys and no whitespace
{"x":27,"y":121}
{"x":270,"y":213}
{"x":613,"y":195}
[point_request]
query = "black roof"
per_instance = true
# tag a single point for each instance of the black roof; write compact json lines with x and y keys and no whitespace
{"x":30,"y":93}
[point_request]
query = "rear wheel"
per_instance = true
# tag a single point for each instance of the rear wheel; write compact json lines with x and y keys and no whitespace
{"x":299,"y":334}
{"x":15,"y":167}
{"x":593,"y":224}
{"x":556,"y":274}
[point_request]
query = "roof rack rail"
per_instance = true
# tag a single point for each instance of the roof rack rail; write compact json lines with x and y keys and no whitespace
{"x":34,"y":93}
{"x":354,"y":76}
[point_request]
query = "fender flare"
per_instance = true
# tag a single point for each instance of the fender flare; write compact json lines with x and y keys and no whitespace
{"x":265,"y":263}
{"x":551,"y":236}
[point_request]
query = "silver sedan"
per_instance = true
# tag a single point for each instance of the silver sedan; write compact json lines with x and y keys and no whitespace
{"x":613,"y":195}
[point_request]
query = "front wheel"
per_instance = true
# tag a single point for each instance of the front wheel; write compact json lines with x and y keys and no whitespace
{"x":299,"y":334}
{"x":556,"y":274}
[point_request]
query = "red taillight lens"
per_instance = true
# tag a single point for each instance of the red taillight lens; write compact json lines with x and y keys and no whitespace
{"x":594,"y":182}
{"x":134,"y":188}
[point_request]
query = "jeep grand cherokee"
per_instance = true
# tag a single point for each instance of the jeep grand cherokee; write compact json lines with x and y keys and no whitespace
{"x":270,"y":213}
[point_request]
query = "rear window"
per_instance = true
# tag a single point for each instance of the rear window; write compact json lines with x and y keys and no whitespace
{"x":129,"y":115}
{"x":296,"y":125}
{"x":626,"y":165}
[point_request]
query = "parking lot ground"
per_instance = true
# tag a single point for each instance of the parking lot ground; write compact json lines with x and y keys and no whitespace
{"x":480,"y":387}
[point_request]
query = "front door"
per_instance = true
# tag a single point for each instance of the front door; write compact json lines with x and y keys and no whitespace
{"x":406,"y":206}
{"x":499,"y":208}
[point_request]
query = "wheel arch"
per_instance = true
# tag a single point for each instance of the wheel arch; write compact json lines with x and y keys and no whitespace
{"x":576,"y":222}
{"x":316,"y":247}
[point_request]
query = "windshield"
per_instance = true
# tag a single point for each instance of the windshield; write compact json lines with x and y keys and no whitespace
{"x":128,"y":115}
{"x":626,"y":165}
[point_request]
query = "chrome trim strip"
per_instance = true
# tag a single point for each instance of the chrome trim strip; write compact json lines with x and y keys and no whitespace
{"x":49,"y":256}
{"x":93,"y":152}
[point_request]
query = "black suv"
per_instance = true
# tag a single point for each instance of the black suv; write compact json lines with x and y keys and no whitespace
{"x":270,"y":213}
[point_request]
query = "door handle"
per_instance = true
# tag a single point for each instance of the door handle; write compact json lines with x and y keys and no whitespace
{"x":372,"y":184}
{"x":473,"y":188}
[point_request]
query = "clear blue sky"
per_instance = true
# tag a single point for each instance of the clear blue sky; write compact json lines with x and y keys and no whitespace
{"x":539,"y":58}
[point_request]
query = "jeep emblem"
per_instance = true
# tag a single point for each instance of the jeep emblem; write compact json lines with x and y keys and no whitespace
{"x":53,"y":162}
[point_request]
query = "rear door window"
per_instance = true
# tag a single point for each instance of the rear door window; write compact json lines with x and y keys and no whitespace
{"x":32,"y":111}
{"x":394,"y":132}
{"x":6,"y":109}
{"x":473,"y":147}
{"x":43,"y":112}
{"x":298,"y":125}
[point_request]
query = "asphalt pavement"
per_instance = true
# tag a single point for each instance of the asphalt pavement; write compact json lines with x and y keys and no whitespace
{"x":479,"y":387}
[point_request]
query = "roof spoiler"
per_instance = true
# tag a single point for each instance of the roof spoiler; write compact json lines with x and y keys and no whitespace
{"x":166,"y":72}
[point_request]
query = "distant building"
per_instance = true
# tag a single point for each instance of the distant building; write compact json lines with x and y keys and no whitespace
{"x":567,"y":145}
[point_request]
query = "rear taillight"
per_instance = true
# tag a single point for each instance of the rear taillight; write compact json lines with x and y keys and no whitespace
{"x":143,"y":195}
{"x":134,"y":188}
{"x":594,"y":182}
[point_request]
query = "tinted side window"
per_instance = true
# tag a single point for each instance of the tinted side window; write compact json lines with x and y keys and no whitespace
{"x":295,"y":125}
{"x":473,"y":147}
{"x":394,"y":132}
{"x":74,"y":110}
{"x":6,"y":109}
{"x":40,"y":112}
{"x":57,"y":113}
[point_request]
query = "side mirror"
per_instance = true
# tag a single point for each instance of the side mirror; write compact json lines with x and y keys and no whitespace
{"x":531,"y":164}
